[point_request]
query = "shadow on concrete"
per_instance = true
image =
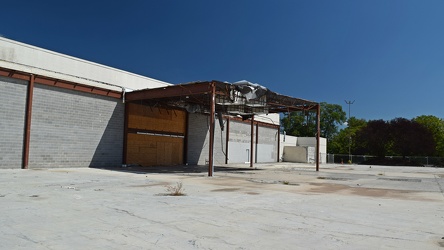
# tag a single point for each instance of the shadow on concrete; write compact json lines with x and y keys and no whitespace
{"x":177,"y":169}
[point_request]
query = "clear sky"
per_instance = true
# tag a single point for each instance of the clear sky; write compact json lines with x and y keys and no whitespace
{"x":387,"y":55}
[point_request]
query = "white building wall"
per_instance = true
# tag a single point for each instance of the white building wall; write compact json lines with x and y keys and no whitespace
{"x":270,"y":118}
{"x":306,"y":142}
{"x":31,"y":59}
{"x":238,"y":145}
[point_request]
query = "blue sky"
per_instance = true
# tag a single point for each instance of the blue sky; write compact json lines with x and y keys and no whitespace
{"x":387,"y":55}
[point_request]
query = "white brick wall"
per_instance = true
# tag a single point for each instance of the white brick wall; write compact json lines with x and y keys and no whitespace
{"x":12,"y":120}
{"x":75,"y":129}
{"x":198,"y":142}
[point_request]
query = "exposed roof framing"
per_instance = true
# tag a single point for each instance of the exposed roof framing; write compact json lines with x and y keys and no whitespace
{"x":59,"y":83}
{"x":239,"y":99}
{"x":196,"y":96}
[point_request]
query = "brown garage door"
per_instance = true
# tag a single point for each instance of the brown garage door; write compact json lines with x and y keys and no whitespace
{"x":155,"y":135}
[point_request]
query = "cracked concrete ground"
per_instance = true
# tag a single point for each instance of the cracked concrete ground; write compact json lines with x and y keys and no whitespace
{"x":276,"y":206}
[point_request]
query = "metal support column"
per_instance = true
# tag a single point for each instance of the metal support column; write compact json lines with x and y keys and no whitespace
{"x":125,"y":134}
{"x":252,"y":141}
{"x":185,"y":139}
{"x":318,"y":134}
{"x":257,"y":141}
{"x":212,"y":113}
{"x":279,"y":144}
{"x":28,"y":123}
{"x":227,"y":139}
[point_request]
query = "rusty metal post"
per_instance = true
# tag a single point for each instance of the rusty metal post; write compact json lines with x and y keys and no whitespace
{"x":185,"y":139}
{"x":279,"y":144}
{"x":212,"y":113}
{"x":257,"y":140}
{"x":125,"y":134}
{"x":318,"y":134}
{"x":227,"y":139}
{"x":252,"y":141}
{"x":28,"y":122}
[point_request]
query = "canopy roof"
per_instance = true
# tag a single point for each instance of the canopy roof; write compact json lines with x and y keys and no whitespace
{"x":211,"y":97}
{"x":240,"y":98}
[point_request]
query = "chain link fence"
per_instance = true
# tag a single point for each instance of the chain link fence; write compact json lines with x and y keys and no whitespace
{"x":425,"y":161}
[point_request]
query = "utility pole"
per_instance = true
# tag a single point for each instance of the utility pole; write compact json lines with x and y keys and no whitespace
{"x":349,"y":132}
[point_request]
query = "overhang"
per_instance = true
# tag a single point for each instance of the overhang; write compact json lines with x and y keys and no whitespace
{"x":230,"y":99}
{"x":242,"y":99}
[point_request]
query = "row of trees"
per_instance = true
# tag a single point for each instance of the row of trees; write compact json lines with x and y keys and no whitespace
{"x":421,"y":136}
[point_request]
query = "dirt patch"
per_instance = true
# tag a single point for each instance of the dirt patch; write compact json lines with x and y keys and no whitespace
{"x":37,"y":197}
{"x":376,"y":192}
{"x":400,"y":179}
{"x":362,"y":191}
{"x":252,"y":193}
{"x":225,"y":190}
{"x":342,"y":168}
{"x":263,"y":181}
{"x":151,"y":184}
{"x":327,"y":187}
{"x":333,"y":178}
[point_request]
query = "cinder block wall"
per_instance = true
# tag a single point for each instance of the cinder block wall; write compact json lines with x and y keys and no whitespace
{"x":267,"y":145}
{"x":12,"y":121}
{"x":238,"y":145}
{"x":199,"y":138}
{"x":75,"y":129}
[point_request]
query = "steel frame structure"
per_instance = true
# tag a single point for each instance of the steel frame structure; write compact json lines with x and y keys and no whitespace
{"x":211,"y":97}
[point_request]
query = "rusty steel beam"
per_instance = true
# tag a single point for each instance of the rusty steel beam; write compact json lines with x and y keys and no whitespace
{"x":4,"y":72}
{"x":78,"y":87}
{"x":263,"y":124}
{"x":212,"y":114}
{"x":125,"y":135}
{"x":257,"y":141}
{"x":59,"y":83}
{"x":318,"y":134}
{"x":278,"y":144}
{"x":27,"y":135}
{"x":251,"y":141}
{"x":227,"y":139}
{"x":172,"y":91}
{"x":185,"y":139}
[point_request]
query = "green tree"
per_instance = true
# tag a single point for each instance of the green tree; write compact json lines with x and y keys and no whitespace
{"x":436,"y":126}
{"x":302,"y":123}
{"x":373,"y":139}
{"x":299,"y":123}
{"x":332,"y":116}
{"x":411,"y":138}
{"x":340,"y":142}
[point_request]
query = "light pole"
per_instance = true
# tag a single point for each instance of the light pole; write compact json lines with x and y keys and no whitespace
{"x":349,"y":132}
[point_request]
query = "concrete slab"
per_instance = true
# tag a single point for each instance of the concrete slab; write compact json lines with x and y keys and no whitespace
{"x":276,"y":206}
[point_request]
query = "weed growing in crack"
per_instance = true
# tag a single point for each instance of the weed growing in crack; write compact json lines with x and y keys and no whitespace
{"x":176,"y":190}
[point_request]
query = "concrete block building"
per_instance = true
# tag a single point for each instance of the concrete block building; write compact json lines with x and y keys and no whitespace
{"x":62,"y":111}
